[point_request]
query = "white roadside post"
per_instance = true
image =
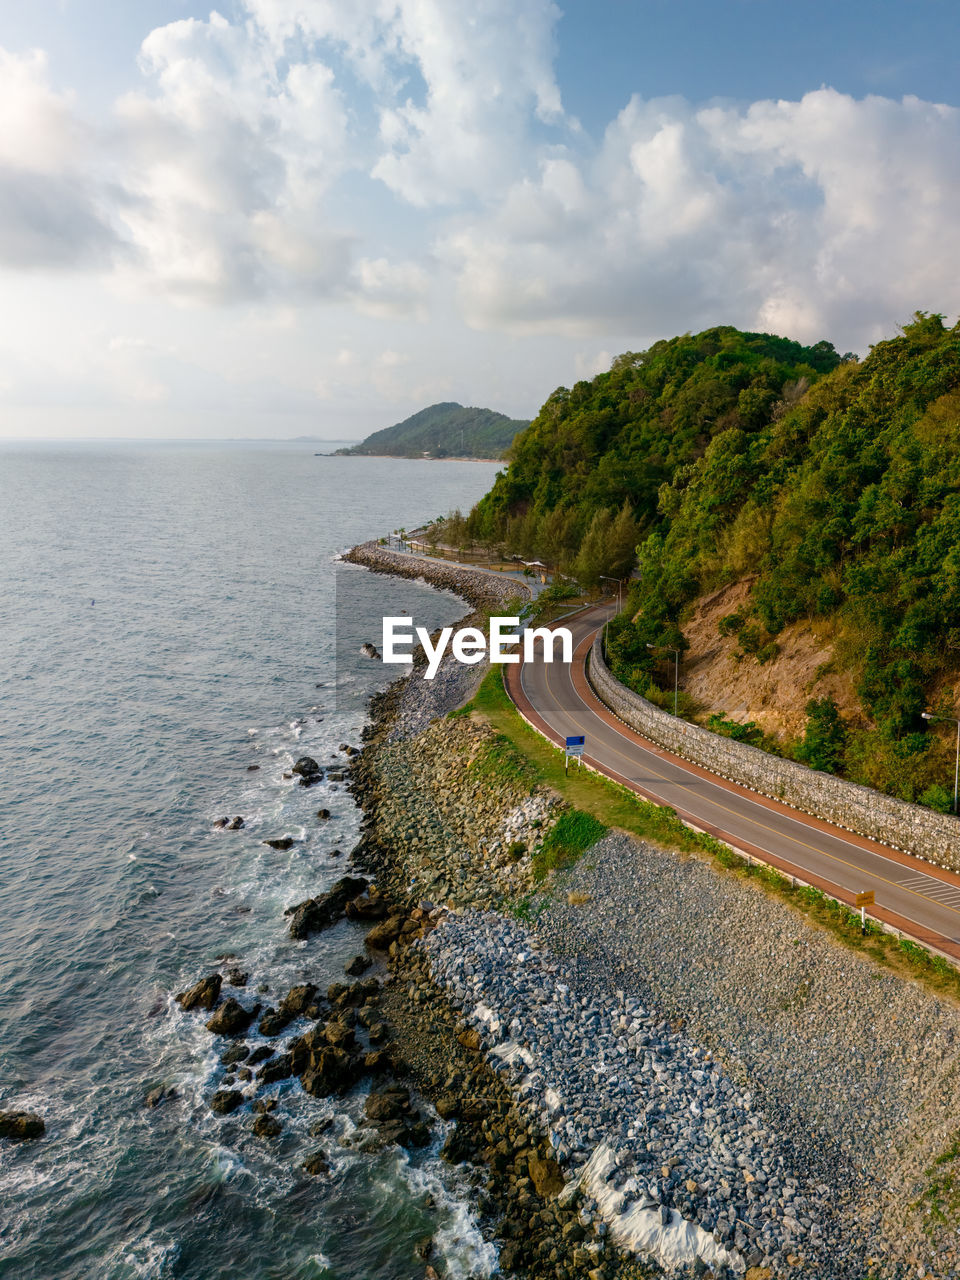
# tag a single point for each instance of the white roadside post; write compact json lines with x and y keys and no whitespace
{"x":864,"y":900}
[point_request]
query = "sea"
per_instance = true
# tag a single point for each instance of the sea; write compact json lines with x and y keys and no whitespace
{"x":175,"y":631}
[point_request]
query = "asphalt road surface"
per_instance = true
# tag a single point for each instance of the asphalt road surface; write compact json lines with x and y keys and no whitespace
{"x":911,"y":895}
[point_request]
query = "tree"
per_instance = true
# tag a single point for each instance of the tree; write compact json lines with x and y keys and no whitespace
{"x":825,"y":738}
{"x":622,"y":553}
{"x":593,"y":556}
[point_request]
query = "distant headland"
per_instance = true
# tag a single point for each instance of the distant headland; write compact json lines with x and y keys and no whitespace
{"x":446,"y":430}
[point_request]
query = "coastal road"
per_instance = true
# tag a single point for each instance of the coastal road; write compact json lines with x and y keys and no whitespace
{"x":911,"y":895}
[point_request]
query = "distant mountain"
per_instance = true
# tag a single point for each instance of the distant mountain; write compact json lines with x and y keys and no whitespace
{"x":444,"y":431}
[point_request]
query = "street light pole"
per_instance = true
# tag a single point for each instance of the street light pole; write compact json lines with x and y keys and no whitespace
{"x":604,"y":578}
{"x":928,"y":715}
{"x":676,"y":669}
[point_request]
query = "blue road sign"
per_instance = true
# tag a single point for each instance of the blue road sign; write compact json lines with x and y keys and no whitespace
{"x":576,"y":741}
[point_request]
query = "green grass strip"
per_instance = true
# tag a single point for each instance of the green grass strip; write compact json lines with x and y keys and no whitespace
{"x":596,"y":804}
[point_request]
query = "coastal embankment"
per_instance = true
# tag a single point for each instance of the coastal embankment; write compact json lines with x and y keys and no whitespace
{"x":483,"y":589}
{"x":715,"y":1084}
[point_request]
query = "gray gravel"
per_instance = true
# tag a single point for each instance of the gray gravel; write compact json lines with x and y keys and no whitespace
{"x":424,"y":700}
{"x":858,"y":1065}
{"x":602,"y":1068}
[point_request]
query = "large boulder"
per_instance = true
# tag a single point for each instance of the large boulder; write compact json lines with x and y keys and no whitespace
{"x":318,"y":913}
{"x":387,"y":931}
{"x":339,"y":1035}
{"x":316,"y":1164}
{"x":306,"y":767}
{"x":21,"y":1126}
{"x":283,"y":843}
{"x":226,"y":1100}
{"x":231,"y":1019}
{"x":390,"y":1104}
{"x":330,"y":1071}
{"x":202,"y":995}
{"x":278,"y":1068}
{"x":267,"y":1127}
{"x":297,"y":1000}
{"x":368,"y":906}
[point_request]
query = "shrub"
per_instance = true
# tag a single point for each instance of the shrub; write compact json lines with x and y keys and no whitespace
{"x":937,"y":797}
{"x":731,"y":624}
{"x":747,"y":731}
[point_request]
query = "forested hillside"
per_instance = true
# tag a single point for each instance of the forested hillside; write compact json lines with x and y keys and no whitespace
{"x":833,"y":485}
{"x":444,"y":430}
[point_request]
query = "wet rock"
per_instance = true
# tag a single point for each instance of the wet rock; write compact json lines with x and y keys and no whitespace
{"x":323,"y":814}
{"x":307,"y":767}
{"x":234,"y":1053}
{"x":203,"y":995}
{"x":231,"y":1019}
{"x":370,"y":651}
{"x":283,"y":843}
{"x":267,"y":1127}
{"x":224,"y":1101}
{"x":447,"y":1105}
{"x":21,"y":1126}
{"x":253,"y":768}
{"x":458,"y":1146}
{"x":358,"y":965}
{"x":236,"y":825}
{"x":339,"y":1035}
{"x":389,"y":1104}
{"x":237,"y":978}
{"x":156,"y":1096}
{"x":272,"y":1023}
{"x":317,"y":913}
{"x":260,"y":1054}
{"x":316,"y":1164}
{"x":297,"y":1000}
{"x":330,"y":1071}
{"x":279,"y":1068}
{"x":220,"y":824}
{"x":424,"y":1248}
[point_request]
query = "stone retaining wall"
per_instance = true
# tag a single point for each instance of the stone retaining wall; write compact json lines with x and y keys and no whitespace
{"x":930,"y":835}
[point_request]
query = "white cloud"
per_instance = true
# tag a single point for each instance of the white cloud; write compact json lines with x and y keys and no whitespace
{"x":823,"y":216}
{"x":384,"y":288}
{"x":332,"y":171}
{"x":227,"y":165}
{"x":52,"y":202}
{"x":457,"y":86}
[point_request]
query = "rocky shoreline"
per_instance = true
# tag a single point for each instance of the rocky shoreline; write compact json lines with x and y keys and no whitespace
{"x":648,"y":1074}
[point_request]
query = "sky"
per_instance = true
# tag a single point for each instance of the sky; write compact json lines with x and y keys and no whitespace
{"x":315,"y":217}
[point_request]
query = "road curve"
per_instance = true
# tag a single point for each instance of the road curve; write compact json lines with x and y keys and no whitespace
{"x":911,"y":895}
